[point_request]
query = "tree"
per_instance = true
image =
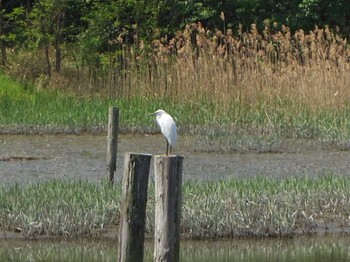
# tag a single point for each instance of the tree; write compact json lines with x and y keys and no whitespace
{"x":47,"y":28}
{"x":324,"y":12}
{"x":12,"y":25}
{"x":175,"y":15}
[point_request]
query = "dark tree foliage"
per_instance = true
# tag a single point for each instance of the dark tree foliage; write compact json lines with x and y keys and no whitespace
{"x":93,"y":30}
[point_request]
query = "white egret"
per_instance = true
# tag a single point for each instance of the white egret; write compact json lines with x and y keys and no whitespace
{"x":167,"y":127}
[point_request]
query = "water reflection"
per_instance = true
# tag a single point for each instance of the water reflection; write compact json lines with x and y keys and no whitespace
{"x":39,"y":250}
{"x":320,"y":249}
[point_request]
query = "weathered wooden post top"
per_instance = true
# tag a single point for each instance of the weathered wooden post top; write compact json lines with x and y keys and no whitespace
{"x":168,"y":190}
{"x":133,"y":207}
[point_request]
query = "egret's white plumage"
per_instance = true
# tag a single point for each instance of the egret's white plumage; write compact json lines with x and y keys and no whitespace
{"x":167,"y":127}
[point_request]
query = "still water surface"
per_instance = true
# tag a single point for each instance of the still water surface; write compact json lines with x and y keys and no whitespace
{"x":312,"y":249}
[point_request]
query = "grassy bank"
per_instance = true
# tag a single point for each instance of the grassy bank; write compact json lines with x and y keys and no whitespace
{"x":26,"y":109}
{"x":247,"y":207}
{"x":227,"y":86}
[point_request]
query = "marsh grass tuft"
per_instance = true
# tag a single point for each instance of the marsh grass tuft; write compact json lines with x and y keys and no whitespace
{"x":58,"y":208}
{"x":211,"y":209}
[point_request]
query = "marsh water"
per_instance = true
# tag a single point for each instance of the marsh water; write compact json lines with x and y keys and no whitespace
{"x":311,"y":249}
{"x":37,"y":158}
{"x":41,"y":157}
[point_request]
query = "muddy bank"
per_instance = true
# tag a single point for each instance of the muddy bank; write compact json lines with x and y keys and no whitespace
{"x":33,"y":158}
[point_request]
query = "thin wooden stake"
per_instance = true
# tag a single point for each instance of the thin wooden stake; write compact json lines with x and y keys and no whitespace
{"x":168,"y":190}
{"x":112,"y":142}
{"x":133,"y":210}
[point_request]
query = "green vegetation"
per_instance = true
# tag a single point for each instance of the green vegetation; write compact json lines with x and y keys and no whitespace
{"x":243,"y":79}
{"x":213,"y":209}
{"x":23,"y":110}
{"x":108,"y":47}
{"x":265,"y":82}
{"x":262,"y":128}
{"x":58,"y":208}
{"x":237,"y":127}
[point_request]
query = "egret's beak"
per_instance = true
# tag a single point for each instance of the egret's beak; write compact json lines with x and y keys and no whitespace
{"x":151,"y":114}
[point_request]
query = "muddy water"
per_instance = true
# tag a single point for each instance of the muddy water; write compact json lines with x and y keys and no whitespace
{"x":33,"y":158}
{"x":311,"y":249}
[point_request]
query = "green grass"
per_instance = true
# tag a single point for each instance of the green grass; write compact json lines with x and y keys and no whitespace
{"x":264,"y":206}
{"x":58,"y":208}
{"x":29,"y":108}
{"x":25,"y":109}
{"x":211,"y":209}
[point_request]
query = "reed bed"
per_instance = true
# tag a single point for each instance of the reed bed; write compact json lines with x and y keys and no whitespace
{"x":211,"y":209}
{"x":244,"y":69}
{"x":25,"y":109}
{"x":240,"y":91}
{"x":271,"y":84}
{"x":272,"y":79}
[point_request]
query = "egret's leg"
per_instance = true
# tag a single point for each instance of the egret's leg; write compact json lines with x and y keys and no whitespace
{"x":170,"y":148}
{"x":167,"y":148}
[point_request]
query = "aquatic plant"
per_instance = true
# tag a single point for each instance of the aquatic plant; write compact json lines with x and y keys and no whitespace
{"x":211,"y":209}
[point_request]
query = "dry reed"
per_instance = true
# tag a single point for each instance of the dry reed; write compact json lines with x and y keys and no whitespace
{"x":305,"y":68}
{"x":244,"y":68}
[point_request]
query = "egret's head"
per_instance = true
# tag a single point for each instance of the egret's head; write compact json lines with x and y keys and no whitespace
{"x":159,"y":112}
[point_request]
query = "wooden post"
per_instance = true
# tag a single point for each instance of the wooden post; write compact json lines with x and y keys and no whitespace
{"x":112,"y":142}
{"x":168,"y":190}
{"x":133,"y":207}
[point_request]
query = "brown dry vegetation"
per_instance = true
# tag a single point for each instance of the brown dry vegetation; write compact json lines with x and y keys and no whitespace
{"x":224,"y":85}
{"x":306,"y":69}
{"x":311,"y":68}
